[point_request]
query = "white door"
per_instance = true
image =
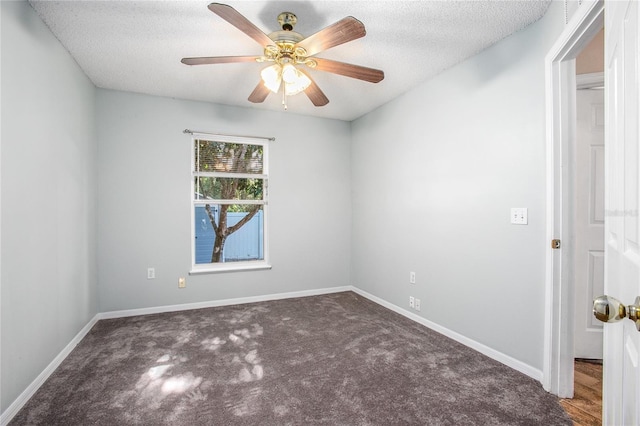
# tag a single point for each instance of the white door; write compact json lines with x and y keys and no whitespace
{"x":589,"y":221}
{"x":621,"y":386}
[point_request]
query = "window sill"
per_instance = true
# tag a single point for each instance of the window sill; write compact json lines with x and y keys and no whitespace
{"x":229,"y":267}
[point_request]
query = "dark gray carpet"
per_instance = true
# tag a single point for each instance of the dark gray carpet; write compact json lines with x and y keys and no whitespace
{"x":336,"y":359}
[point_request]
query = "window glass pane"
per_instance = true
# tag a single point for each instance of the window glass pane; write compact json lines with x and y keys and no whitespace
{"x":243,"y":226}
{"x":207,"y":188}
{"x":227,"y":157}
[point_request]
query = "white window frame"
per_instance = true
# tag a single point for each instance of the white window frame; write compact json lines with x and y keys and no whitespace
{"x":208,"y":268}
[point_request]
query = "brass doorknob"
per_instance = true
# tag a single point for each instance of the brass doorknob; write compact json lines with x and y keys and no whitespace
{"x":610,"y":309}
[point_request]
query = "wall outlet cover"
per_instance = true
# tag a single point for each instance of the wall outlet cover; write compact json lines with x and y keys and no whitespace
{"x":519,"y":216}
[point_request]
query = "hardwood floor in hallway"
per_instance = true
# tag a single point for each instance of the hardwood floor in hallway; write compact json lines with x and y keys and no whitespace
{"x":585,"y":409}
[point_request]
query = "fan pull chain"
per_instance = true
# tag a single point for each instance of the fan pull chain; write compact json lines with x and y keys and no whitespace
{"x":284,"y":98}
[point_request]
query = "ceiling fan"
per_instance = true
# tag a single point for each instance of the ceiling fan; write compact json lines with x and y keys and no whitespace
{"x":288,"y":51}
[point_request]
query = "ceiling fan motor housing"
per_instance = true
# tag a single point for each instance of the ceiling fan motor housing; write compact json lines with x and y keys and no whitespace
{"x":286,"y":37}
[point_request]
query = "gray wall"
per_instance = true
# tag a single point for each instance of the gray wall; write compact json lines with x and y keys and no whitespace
{"x":451,"y":158}
{"x":49,"y":185}
{"x":144,"y":184}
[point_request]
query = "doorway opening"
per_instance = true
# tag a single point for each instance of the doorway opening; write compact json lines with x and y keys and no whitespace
{"x":560,"y":308}
{"x":587,"y":229}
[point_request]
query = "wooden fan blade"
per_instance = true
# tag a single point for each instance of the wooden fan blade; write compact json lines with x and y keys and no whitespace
{"x":233,"y":17}
{"x":218,"y":60}
{"x":354,"y":71}
{"x":313,"y":92}
{"x":341,"y":32}
{"x":259,"y":94}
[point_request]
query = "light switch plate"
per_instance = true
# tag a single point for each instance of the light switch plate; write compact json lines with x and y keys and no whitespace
{"x":519,"y":216}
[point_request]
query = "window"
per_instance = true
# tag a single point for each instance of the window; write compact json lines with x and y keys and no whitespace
{"x":229,"y":203}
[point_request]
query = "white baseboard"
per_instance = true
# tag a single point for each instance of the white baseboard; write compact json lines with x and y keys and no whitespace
{"x":485,"y":350}
{"x":223,"y":302}
{"x":22,"y":399}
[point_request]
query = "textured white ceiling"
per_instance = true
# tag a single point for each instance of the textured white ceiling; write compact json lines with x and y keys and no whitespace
{"x":136,"y":46}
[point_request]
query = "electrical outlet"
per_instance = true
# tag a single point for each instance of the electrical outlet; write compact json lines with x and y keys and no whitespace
{"x":417,"y":303}
{"x":519,"y":216}
{"x":182,"y":283}
{"x":412,"y":302}
{"x":151,"y":273}
{"x":412,"y":277}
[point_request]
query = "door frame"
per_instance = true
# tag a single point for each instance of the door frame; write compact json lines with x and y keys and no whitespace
{"x":557,"y":369}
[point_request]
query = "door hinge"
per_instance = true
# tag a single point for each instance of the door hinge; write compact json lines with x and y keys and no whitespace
{"x":555,"y":244}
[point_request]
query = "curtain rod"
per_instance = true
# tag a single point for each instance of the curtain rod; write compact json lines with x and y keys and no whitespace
{"x":191,"y":132}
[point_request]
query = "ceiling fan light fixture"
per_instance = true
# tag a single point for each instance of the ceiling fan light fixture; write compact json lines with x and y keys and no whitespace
{"x":272,"y":77}
{"x":290,"y":74}
{"x":297,"y":84}
{"x":294,"y":80}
